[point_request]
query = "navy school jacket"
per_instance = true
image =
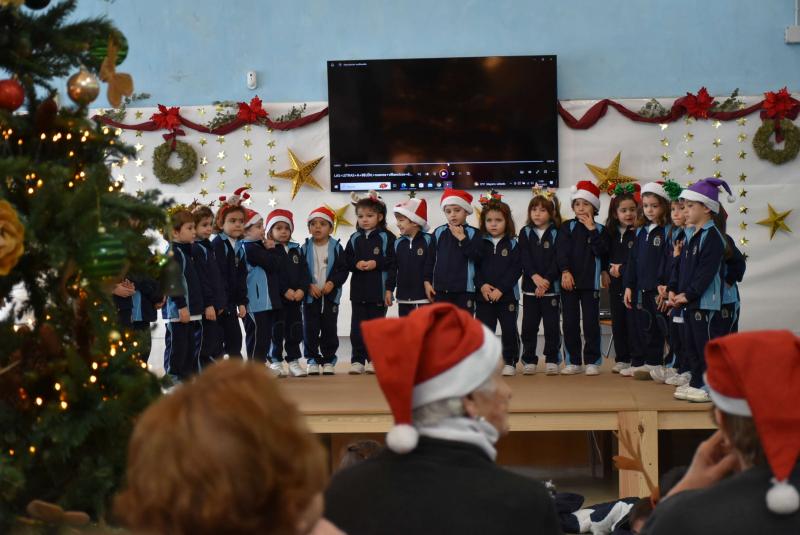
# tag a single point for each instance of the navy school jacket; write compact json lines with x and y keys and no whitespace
{"x":454,"y":262}
{"x":192,"y":284}
{"x":619,"y":249}
{"x":675,"y":234}
{"x":698,"y":271}
{"x":645,"y":270}
{"x":370,"y":286}
{"x":232,"y":270}
{"x":733,"y":273}
{"x":294,"y":268}
{"x":582,"y":252}
{"x":265,"y":284}
{"x":413,"y":266}
{"x":206,"y":261}
{"x":336,"y":267}
{"x":141,"y":306}
{"x":500,"y":266}
{"x":539,"y":258}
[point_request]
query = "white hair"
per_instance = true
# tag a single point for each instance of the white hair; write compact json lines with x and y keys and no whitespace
{"x":432,"y":413}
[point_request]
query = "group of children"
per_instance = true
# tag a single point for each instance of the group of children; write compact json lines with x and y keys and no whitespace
{"x":663,"y":253}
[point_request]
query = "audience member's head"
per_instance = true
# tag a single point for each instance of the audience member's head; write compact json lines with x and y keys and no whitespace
{"x":224,"y":453}
{"x":359,"y":451}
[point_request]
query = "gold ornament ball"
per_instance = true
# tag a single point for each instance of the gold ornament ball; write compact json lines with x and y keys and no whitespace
{"x":114,"y":336}
{"x":83,"y":87}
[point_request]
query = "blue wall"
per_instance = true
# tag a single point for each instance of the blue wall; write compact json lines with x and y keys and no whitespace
{"x":195,"y":51}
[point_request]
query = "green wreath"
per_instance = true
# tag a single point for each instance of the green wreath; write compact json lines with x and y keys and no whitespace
{"x":765,"y":148}
{"x":172,"y":175}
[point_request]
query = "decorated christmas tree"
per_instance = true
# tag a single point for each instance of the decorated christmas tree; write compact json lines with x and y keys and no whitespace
{"x":71,"y":378}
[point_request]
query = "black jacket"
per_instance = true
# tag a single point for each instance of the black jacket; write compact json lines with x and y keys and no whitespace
{"x":441,"y":487}
{"x":206,"y":261}
{"x":232,"y":270}
{"x":698,"y":268}
{"x":734,"y":506}
{"x":582,"y":252}
{"x":454,"y":263}
{"x":193,"y":285}
{"x":539,"y":258}
{"x":294,"y":268}
{"x":413,"y":266}
{"x":370,"y":286}
{"x":646,"y":263}
{"x":499,"y":266}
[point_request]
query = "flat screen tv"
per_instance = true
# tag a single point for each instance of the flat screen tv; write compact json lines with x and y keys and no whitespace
{"x":419,"y":124}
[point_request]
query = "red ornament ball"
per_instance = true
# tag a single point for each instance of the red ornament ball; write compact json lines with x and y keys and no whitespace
{"x":12,"y":95}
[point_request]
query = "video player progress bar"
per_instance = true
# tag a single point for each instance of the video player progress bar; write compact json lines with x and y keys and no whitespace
{"x":436,"y":163}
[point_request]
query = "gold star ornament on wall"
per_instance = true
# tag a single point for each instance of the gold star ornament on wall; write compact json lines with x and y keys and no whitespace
{"x":339,"y":217}
{"x":609,"y":175}
{"x":300,"y":173}
{"x":776,"y":221}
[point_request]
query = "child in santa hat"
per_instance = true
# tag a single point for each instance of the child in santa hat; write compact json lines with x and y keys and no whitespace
{"x":265,"y":286}
{"x":328,"y":273}
{"x":696,"y":281}
{"x":287,"y":324}
{"x":228,"y":224}
{"x":414,"y":255}
{"x":581,"y":251}
{"x":745,"y":478}
{"x":455,"y":252}
{"x":370,"y":258}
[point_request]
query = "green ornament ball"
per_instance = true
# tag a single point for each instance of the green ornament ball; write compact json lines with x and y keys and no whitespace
{"x":98,"y":49}
{"x":107,"y":257}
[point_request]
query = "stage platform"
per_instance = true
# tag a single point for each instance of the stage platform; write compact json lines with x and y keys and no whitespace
{"x":346,"y":404}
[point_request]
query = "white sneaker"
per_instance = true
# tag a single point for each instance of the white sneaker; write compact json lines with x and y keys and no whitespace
{"x":697,"y":395}
{"x":592,"y":369}
{"x":627,"y":372}
{"x":643,"y":372}
{"x":619,"y":366}
{"x":327,"y":369}
{"x":661,"y":374}
{"x":369,"y":368}
{"x":680,"y":392}
{"x":277,"y":369}
{"x":296,"y":370}
{"x":356,"y":368}
{"x":529,"y":369}
{"x":551,"y":369}
{"x":509,"y":371}
{"x":571,"y":369}
{"x":313,"y":369}
{"x":679,"y":379}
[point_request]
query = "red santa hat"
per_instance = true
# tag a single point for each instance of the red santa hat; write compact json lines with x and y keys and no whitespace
{"x":414,"y":209}
{"x":323,"y":212}
{"x":588,"y":191}
{"x":458,"y":198}
{"x":251,"y":217}
{"x":277,"y":216}
{"x":445,"y":353}
{"x":740,"y":384}
{"x":656,"y":188}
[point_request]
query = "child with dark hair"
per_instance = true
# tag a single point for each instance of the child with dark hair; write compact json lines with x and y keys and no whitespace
{"x":213,"y":292}
{"x":414,"y":255}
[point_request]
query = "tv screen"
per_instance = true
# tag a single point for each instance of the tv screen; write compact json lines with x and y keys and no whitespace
{"x":412,"y":124}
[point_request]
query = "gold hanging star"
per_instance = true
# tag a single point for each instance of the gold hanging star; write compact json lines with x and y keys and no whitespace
{"x":689,"y":153}
{"x":665,"y":157}
{"x":689,"y":169}
{"x":717,"y":142}
{"x":221,"y":155}
{"x":742,"y":177}
{"x":300,"y":173}
{"x":688,"y":136}
{"x":247,"y":128}
{"x":664,"y":141}
{"x":203,"y":141}
{"x":248,"y":185}
{"x":271,"y":144}
{"x":339,"y":217}
{"x":203,"y":161}
{"x":138,"y":114}
{"x":221,"y":169}
{"x":138,"y":147}
{"x":717,"y":124}
{"x":203,"y":192}
{"x":221,"y":185}
{"x":272,"y":158}
{"x":271,"y":188}
{"x":140,"y":178}
{"x":138,"y":133}
{"x":665,"y":173}
{"x":201,"y":111}
{"x":743,"y":241}
{"x":272,"y":173}
{"x":776,"y":221}
{"x":139,"y":162}
{"x":742,"y":192}
{"x":743,"y":209}
{"x":741,"y":121}
{"x":717,"y":174}
{"x":203,"y":177}
{"x":742,"y":155}
{"x":743,"y":225}
{"x":664,"y":126}
{"x":741,"y":137}
{"x":247,"y":143}
{"x":688,"y":120}
{"x":610,"y":174}
{"x":248,"y":157}
{"x":220,"y":139}
{"x":717,"y":158}
{"x":248,"y":173}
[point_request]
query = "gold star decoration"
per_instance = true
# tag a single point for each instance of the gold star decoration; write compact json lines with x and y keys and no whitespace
{"x":300,"y":173}
{"x":218,"y":107}
{"x":688,"y":120}
{"x":664,"y":141}
{"x":743,"y":225}
{"x":247,"y":128}
{"x":689,"y":169}
{"x":717,"y":142}
{"x":138,"y":114}
{"x":741,"y":137}
{"x":688,"y":136}
{"x":247,"y":143}
{"x":742,"y":177}
{"x":203,"y":141}
{"x":272,"y":158}
{"x":271,"y":188}
{"x":201,"y":111}
{"x":742,"y":155}
{"x":776,"y":221}
{"x":664,"y":126}
{"x":689,"y":153}
{"x":139,"y":162}
{"x":717,"y":124}
{"x":716,"y":158}
{"x":248,"y":185}
{"x":138,"y":133}
{"x":717,"y":174}
{"x":743,"y":209}
{"x":272,"y":202}
{"x":248,"y":157}
{"x":221,"y":185}
{"x":339,"y":217}
{"x":610,"y":174}
{"x":221,"y":155}
{"x":220,"y":139}
{"x":665,"y":173}
{"x":272,"y":173}
{"x":743,"y":241}
{"x":665,"y":157}
{"x":203,"y":161}
{"x":741,"y":121}
{"x":742,"y":192}
{"x":138,"y":147}
{"x":140,"y":178}
{"x":203,"y":177}
{"x":248,"y":173}
{"x":221,"y":169}
{"x":271,"y":144}
{"x":203,"y":192}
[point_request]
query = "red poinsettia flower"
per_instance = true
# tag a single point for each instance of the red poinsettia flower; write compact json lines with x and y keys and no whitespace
{"x":252,"y":112}
{"x":168,"y":119}
{"x":778,"y":105}
{"x":698,"y":106}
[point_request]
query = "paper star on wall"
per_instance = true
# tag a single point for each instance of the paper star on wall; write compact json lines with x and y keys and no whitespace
{"x":338,"y":217}
{"x":609,"y":175}
{"x":776,"y":221}
{"x":300,"y":173}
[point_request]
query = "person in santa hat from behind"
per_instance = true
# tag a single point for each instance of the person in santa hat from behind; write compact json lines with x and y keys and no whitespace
{"x":441,"y":378}
{"x":745,"y":478}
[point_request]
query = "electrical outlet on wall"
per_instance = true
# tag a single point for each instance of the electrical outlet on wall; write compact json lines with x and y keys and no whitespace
{"x":252,"y":80}
{"x":792,"y":34}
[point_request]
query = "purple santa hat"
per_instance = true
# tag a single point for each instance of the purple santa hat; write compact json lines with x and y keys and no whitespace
{"x":706,"y":191}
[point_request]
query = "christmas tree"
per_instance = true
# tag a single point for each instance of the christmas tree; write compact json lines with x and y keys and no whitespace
{"x":71,"y":379}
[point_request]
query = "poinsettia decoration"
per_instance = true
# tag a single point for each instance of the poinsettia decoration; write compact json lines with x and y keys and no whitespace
{"x":253,"y":112}
{"x":699,"y":105}
{"x":777,"y":105}
{"x":169,"y":119}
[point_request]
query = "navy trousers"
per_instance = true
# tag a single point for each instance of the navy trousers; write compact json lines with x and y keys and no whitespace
{"x":465,"y":300}
{"x":536,"y":310}
{"x":231,"y":333}
{"x":677,"y":342}
{"x":585,"y":305}
{"x":211,"y":348}
{"x":182,"y":343}
{"x":651,"y":329}
{"x":320,"y":339}
{"x":623,"y":326}
{"x":703,"y":325}
{"x":505,"y":313}
{"x":287,"y":332}
{"x":729,"y":317}
{"x":404,"y":309}
{"x":258,"y":334}
{"x":362,"y":312}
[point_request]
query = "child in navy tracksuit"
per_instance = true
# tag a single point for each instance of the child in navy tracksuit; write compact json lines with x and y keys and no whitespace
{"x":623,"y":216}
{"x":644,"y":279}
{"x":540,"y":282}
{"x":370,"y":258}
{"x":734,"y":269}
{"x":456,"y":243}
{"x":232,"y":270}
{"x":414,"y":255}
{"x":183,"y":312}
{"x":696,"y":282}
{"x":581,"y":253}
{"x":137,"y":298}
{"x":213,"y":292}
{"x":264,"y":290}
{"x":287,"y":326}
{"x":673,"y":373}
{"x":498,"y":267}
{"x":327,"y":272}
